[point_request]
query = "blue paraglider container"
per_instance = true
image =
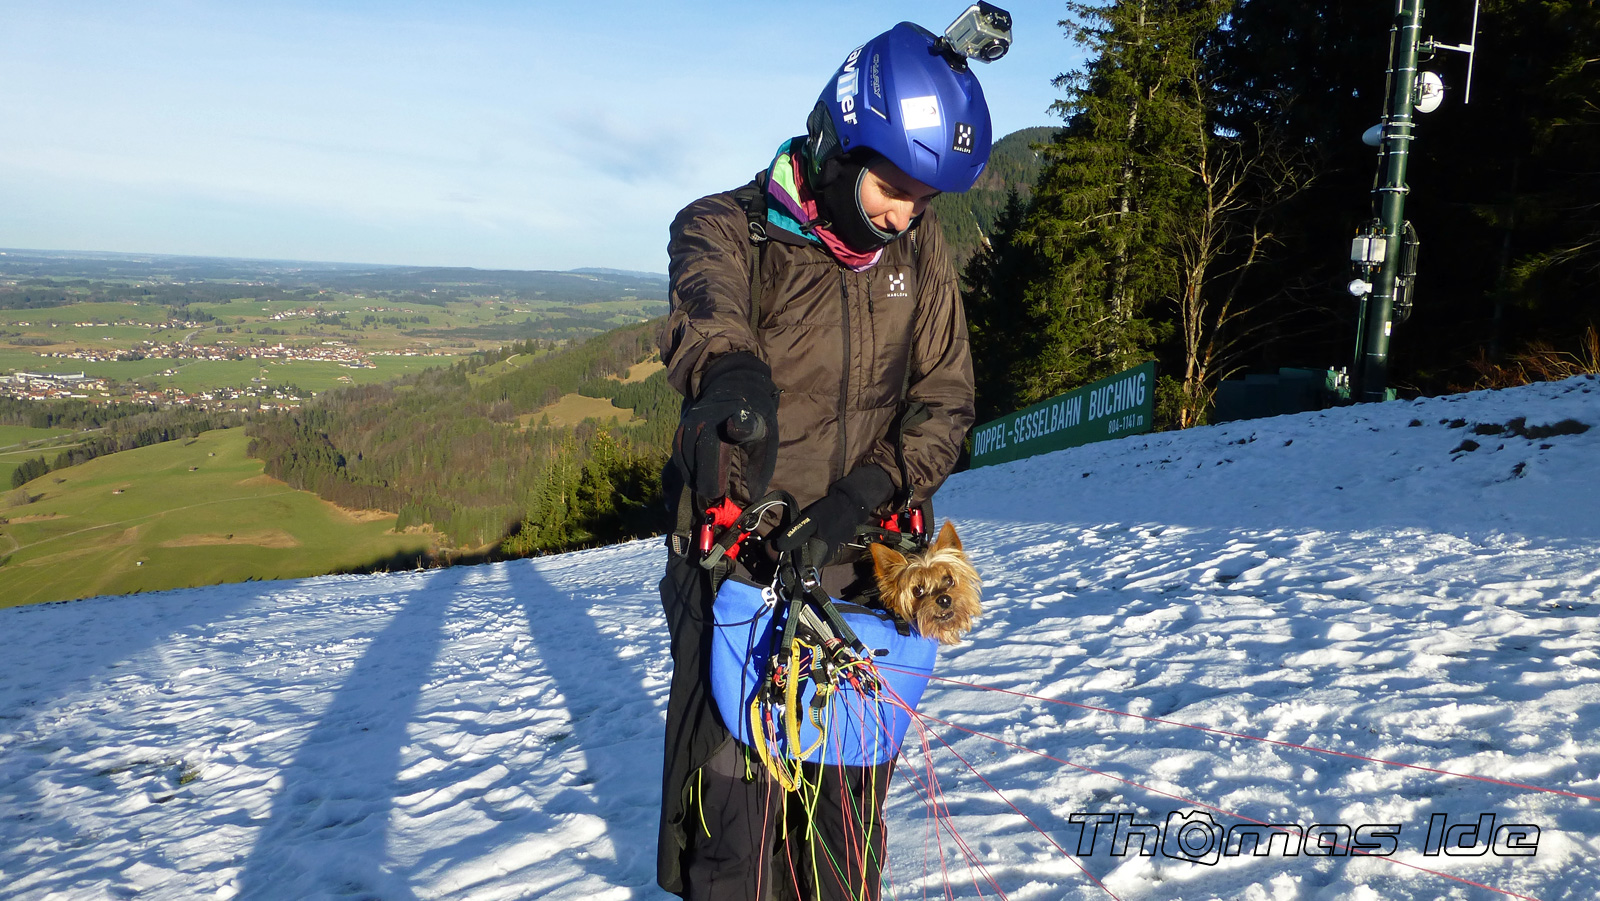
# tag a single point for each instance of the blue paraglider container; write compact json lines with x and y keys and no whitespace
{"x":859,"y":729}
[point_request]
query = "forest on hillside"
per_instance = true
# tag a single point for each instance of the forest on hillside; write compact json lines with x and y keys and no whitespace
{"x":446,"y":448}
{"x":1199,"y":204}
{"x":1014,"y":166}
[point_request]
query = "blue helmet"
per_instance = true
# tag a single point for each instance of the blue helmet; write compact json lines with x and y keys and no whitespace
{"x":908,"y":99}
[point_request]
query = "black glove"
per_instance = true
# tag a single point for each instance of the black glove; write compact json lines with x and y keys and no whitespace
{"x":832,"y":519}
{"x":738,"y":405}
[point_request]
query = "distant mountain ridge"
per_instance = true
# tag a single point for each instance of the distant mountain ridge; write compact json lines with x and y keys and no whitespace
{"x":632,"y":273}
{"x":33,"y":263}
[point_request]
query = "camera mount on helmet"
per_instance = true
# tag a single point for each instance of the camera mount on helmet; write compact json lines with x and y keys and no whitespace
{"x":982,"y":33}
{"x":909,"y":96}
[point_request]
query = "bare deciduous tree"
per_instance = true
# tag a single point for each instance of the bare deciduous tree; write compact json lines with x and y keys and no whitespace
{"x":1240,"y":184}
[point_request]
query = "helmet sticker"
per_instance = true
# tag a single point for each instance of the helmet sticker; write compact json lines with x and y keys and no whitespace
{"x":848,"y":85}
{"x":875,"y":100}
{"x":920,"y":112}
{"x":963,"y":141}
{"x":849,"y":81}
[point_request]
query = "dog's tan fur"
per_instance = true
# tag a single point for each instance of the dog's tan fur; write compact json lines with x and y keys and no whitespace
{"x":937,"y":591}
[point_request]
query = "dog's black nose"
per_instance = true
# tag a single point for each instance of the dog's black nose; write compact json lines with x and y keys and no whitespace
{"x":944,"y":601}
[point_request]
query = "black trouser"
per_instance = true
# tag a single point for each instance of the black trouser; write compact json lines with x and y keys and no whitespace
{"x":751,"y":841}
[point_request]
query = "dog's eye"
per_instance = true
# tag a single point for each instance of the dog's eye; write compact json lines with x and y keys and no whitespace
{"x":949,"y":580}
{"x":918,"y":591}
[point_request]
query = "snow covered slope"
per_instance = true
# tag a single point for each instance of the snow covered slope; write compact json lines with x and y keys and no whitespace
{"x":1395,"y":582}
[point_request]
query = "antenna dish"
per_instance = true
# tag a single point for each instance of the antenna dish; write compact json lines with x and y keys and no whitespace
{"x":1430,"y":91}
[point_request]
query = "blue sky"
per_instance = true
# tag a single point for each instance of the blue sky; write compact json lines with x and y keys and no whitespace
{"x":526,"y":135}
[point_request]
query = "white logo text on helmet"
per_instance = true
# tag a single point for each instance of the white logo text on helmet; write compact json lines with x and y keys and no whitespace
{"x":848,"y":85}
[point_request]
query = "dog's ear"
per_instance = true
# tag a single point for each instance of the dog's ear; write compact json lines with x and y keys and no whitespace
{"x":948,"y":538}
{"x":886,"y":561}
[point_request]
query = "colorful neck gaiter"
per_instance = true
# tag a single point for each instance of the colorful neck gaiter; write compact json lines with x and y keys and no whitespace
{"x":792,"y":207}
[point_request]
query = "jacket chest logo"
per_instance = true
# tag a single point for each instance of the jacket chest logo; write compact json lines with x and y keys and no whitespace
{"x":897,"y":284}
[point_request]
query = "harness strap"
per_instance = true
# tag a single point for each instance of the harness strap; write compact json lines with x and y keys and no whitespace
{"x":753,"y":200}
{"x":904,"y":542}
{"x":911,"y":414}
{"x":758,"y":730}
{"x":791,"y":704}
{"x":681,"y":539}
{"x":841,"y":629}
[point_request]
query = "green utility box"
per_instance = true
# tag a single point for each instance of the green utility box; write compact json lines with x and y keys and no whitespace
{"x":1289,"y":390}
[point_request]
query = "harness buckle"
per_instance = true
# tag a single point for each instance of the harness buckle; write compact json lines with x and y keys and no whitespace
{"x":810,"y":579}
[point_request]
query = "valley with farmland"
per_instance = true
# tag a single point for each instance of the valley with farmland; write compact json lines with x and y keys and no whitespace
{"x":168,"y":422}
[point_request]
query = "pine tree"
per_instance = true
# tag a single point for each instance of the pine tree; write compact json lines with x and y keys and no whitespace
{"x":1160,"y":200}
{"x":1551,"y":228}
{"x":29,"y":470}
{"x":1113,"y":200}
{"x":1005,"y":333}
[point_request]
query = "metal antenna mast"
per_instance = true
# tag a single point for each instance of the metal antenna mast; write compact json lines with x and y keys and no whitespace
{"x":1385,"y":249}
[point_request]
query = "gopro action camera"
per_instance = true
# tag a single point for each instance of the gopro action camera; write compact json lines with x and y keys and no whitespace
{"x":982,"y":33}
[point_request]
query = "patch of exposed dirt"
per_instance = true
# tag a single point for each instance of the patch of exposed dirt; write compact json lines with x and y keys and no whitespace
{"x":638,"y":372}
{"x":270,"y":538}
{"x":36,"y":517}
{"x":572,"y":409}
{"x":361,"y":515}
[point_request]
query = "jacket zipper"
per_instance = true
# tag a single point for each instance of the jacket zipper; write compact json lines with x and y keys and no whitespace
{"x":844,"y":374}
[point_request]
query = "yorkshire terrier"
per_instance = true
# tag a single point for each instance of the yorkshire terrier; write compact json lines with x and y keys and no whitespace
{"x":936,"y":591}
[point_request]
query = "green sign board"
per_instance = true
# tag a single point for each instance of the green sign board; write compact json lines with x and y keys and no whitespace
{"x":1123,"y":404}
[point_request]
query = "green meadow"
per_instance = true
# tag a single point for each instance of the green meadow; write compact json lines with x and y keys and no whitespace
{"x":489,"y":373}
{"x":14,"y":437}
{"x":177,"y":515}
{"x":87,"y":311}
{"x":195,"y":376}
{"x":18,"y":443}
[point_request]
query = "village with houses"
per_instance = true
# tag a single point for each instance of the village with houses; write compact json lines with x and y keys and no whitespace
{"x":43,"y":386}
{"x":46,"y":386}
{"x":79,"y":328}
{"x":327,"y":352}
